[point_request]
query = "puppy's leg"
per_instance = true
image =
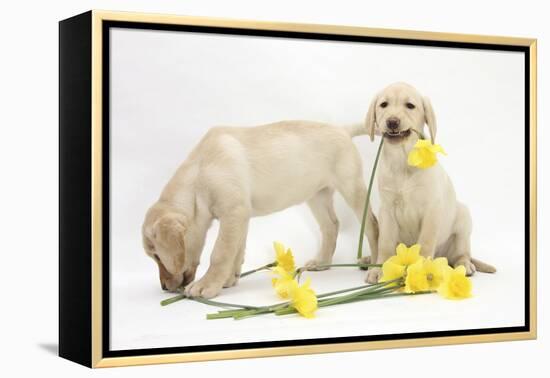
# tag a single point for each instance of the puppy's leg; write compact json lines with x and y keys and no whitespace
{"x":239,"y":260}
{"x":233,"y":230}
{"x":459,"y":252}
{"x":387,"y":241}
{"x":322,"y":207}
{"x":429,"y":232}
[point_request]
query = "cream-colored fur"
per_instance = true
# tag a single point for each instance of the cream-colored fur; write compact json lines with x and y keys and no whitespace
{"x":237,"y":173}
{"x":417,"y":205}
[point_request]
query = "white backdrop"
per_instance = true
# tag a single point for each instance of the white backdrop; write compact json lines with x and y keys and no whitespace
{"x":29,"y":158}
{"x":169,"y":88}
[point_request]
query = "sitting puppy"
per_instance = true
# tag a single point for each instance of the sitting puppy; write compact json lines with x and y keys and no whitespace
{"x":236,"y":173}
{"x":417,"y":205}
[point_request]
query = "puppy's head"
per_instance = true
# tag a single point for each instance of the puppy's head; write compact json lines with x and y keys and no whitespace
{"x":399,"y":112}
{"x":163,"y":233}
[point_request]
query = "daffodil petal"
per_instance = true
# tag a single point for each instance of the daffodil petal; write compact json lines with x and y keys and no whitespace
{"x":392,"y":271}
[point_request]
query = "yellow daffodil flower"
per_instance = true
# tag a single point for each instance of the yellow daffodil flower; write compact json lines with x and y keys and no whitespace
{"x":285,"y":259}
{"x":391,"y":271}
{"x":423,"y":154}
{"x":406,"y":256}
{"x":425,"y":275}
{"x":303,"y":299}
{"x":455,"y":284}
{"x":396,"y":266}
{"x":283,"y":283}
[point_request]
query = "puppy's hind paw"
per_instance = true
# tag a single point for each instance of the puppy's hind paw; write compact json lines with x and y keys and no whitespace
{"x":373,"y":275}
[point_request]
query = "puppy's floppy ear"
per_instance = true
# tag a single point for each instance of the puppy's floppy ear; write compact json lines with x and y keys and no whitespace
{"x":370,"y":120}
{"x":169,"y":229}
{"x":429,"y":117}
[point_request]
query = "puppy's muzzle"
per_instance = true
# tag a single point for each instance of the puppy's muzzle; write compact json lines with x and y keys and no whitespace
{"x":393,"y":123}
{"x":172,"y":283}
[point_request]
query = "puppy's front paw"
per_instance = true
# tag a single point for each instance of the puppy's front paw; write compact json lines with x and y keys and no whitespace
{"x":364,"y":260}
{"x":316,"y":265}
{"x":204,"y":288}
{"x":373,"y":275}
{"x":232,"y":280}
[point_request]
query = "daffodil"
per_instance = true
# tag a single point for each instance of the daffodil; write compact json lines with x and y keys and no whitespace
{"x":406,"y":256}
{"x":425,"y":275}
{"x":283,"y":283}
{"x":285,"y":259}
{"x":396,"y":266}
{"x":303,"y":299}
{"x":392,"y":271}
{"x":423,"y":154}
{"x":456,"y":285}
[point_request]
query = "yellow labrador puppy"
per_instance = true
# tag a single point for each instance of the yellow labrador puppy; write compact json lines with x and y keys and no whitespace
{"x":417,"y":205}
{"x":234,"y":174}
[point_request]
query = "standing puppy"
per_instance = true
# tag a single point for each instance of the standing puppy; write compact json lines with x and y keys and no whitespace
{"x":236,"y":173}
{"x":417,"y":205}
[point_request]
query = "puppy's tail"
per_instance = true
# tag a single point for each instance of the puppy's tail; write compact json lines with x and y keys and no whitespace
{"x":483,"y":267}
{"x":359,"y":129}
{"x":356,"y":129}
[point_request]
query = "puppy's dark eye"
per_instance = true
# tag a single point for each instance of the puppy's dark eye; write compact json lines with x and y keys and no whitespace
{"x":384,"y":104}
{"x":409,"y":105}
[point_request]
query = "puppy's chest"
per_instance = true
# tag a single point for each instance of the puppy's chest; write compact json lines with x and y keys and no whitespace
{"x":406,"y":202}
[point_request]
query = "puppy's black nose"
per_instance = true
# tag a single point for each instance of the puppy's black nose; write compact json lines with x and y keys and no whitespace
{"x":163,"y":285}
{"x":392,"y":123}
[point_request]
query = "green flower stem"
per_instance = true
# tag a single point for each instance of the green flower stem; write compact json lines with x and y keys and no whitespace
{"x":206,"y":301}
{"x":244,"y":313}
{"x":377,"y":293}
{"x":368,"y":286}
{"x":223,"y":304}
{"x":369,"y":190}
{"x":352,"y":265}
{"x":304,"y":268}
{"x":366,"y":297}
{"x":259,"y":311}
{"x":171,"y":300}
{"x":267,"y":266}
{"x":420,"y":134}
{"x":298,"y":272}
{"x":347,"y":297}
{"x":179,"y":297}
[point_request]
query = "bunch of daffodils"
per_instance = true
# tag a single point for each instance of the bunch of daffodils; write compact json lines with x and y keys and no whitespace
{"x":413,"y":273}
{"x":405,"y":273}
{"x":302,"y":298}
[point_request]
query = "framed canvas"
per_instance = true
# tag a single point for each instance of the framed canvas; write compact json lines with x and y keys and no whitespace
{"x":178,"y":135}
